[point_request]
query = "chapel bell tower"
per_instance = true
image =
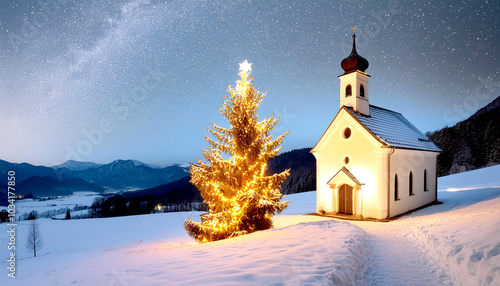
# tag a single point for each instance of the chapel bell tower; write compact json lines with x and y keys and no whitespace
{"x":354,"y":82}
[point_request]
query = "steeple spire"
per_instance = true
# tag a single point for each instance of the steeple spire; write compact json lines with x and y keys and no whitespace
{"x":354,"y":81}
{"x":354,"y":61}
{"x":353,"y":41}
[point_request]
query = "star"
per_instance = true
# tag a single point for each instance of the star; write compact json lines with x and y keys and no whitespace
{"x":245,"y":67}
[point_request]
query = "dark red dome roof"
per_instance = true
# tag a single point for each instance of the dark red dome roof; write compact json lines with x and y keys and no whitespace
{"x":354,"y":61}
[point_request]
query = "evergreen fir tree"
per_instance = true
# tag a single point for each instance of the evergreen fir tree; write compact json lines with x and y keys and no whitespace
{"x":240,"y":197}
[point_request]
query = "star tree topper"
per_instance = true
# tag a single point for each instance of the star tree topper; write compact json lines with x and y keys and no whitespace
{"x":246,"y":67}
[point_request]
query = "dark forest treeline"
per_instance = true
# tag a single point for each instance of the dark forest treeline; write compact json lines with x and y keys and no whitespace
{"x":180,"y":195}
{"x":121,"y":206}
{"x":302,"y":165}
{"x":470,"y":144}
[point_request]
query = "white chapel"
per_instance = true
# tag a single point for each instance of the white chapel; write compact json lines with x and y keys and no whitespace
{"x":372,"y":162}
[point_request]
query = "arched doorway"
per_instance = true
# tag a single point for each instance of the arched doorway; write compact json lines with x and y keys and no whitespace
{"x":345,"y":199}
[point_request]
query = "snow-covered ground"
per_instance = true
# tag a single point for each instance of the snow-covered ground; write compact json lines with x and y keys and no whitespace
{"x":455,"y":243}
{"x":25,"y":206}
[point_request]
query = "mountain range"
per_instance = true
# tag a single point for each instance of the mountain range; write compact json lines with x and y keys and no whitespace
{"x":77,"y":165}
{"x":73,"y":176}
{"x":49,"y":186}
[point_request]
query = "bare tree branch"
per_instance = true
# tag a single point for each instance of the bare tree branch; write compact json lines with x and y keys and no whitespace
{"x":34,"y":240}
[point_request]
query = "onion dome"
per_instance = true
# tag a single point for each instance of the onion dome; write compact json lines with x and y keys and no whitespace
{"x":354,"y":61}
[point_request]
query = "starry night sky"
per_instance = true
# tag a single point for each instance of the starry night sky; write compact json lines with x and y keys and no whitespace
{"x":142,"y":78}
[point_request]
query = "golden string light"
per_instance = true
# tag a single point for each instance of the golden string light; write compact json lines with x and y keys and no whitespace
{"x":240,"y":197}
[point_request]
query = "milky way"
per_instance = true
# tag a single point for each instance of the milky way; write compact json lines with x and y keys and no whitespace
{"x":104,"y":80}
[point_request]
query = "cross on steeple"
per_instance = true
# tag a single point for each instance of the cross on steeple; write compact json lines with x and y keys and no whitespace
{"x":354,"y":30}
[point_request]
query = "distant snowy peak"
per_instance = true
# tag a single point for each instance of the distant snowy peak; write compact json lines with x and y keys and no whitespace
{"x":185,"y":165}
{"x":77,"y":165}
{"x":154,"y":166}
{"x":82,"y":166}
{"x":138,"y":163}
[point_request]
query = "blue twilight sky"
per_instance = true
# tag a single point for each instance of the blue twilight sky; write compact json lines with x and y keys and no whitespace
{"x":139,"y":79}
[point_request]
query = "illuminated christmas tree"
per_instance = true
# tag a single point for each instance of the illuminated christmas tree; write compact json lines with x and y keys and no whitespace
{"x":240,"y":197}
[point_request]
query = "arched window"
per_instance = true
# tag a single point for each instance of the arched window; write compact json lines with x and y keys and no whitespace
{"x":348,"y":90}
{"x":425,"y":180}
{"x":396,"y":195}
{"x":410,"y":182}
{"x":362,"y":91}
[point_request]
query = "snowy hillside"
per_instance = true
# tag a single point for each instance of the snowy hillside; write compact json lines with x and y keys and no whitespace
{"x":48,"y":208}
{"x":449,"y":244}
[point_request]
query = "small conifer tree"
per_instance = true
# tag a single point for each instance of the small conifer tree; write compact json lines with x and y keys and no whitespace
{"x":240,"y":197}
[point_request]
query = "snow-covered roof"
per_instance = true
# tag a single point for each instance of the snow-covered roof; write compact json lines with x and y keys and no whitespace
{"x":392,"y":128}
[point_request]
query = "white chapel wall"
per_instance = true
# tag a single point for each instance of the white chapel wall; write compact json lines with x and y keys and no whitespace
{"x":360,"y":148}
{"x":402,"y":162}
